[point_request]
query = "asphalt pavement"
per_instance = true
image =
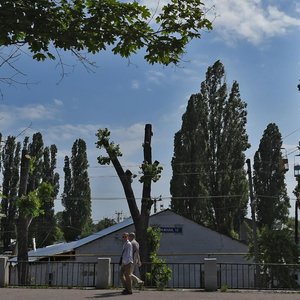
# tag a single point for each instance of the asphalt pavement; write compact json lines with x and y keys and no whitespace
{"x":79,"y":294}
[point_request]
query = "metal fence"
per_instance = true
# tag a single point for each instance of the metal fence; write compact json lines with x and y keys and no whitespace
{"x":183,"y":275}
{"x":258,"y":276}
{"x":60,"y":274}
{"x":236,"y":276}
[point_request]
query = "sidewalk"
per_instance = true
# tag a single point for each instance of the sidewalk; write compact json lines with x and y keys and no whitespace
{"x":79,"y":294}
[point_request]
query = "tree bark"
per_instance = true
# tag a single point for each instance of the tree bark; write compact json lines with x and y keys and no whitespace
{"x":23,"y":222}
{"x":140,"y":219}
{"x":141,"y":229}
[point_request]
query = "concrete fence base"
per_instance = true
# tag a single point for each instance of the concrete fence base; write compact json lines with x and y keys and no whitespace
{"x":210,"y":274}
{"x":4,"y":272}
{"x":103,"y":273}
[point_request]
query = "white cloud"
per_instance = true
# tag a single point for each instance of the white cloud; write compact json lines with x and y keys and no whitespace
{"x":135,"y":84}
{"x":58,"y":102}
{"x":155,"y":5}
{"x":70,"y":132}
{"x":252,"y":20}
{"x":35,"y":112}
{"x":129,"y":138}
{"x":155,"y":77}
{"x":297,"y":7}
{"x":16,"y":116}
{"x":32,"y":112}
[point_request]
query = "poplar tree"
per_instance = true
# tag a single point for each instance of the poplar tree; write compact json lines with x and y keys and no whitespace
{"x":36,"y":153}
{"x":272,"y":202}
{"x":77,"y":193}
{"x":209,"y":182}
{"x":10,"y":171}
{"x":46,"y":227}
{"x":274,"y":238}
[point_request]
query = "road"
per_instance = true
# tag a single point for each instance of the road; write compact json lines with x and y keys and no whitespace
{"x":79,"y":294}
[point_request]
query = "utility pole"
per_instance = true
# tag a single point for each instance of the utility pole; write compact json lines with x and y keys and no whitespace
{"x":296,"y":221}
{"x":297,"y":194}
{"x":253,"y":211}
{"x":154,"y":203}
{"x":119,"y":215}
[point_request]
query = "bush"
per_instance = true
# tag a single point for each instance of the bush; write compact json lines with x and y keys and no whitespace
{"x":159,"y":273}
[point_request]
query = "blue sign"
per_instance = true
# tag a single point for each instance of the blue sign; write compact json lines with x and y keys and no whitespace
{"x":171,"y":229}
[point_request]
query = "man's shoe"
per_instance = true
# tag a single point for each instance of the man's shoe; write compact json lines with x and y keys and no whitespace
{"x":141,"y":284}
{"x":126,"y":292}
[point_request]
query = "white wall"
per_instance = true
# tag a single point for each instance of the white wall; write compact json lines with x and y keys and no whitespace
{"x":192,"y":244}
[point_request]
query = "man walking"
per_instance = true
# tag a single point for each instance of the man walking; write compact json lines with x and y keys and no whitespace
{"x":136,"y":259}
{"x":126,"y":263}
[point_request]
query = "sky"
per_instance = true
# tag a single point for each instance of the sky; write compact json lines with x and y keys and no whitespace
{"x":259,"y":46}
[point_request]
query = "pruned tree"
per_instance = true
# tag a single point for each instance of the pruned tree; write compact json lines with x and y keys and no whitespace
{"x":150,"y":172}
{"x":76,"y":197}
{"x":209,"y":182}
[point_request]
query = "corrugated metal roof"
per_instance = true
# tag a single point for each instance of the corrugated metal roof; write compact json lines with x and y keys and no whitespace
{"x":104,"y":232}
{"x":68,"y":247}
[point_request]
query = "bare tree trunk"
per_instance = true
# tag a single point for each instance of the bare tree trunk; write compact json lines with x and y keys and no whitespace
{"x":141,"y":229}
{"x":23,"y":223}
{"x":22,"y":243}
{"x":140,"y":219}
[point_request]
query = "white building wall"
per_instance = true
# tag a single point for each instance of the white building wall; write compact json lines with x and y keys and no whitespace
{"x":186,"y":241}
{"x":182,"y":240}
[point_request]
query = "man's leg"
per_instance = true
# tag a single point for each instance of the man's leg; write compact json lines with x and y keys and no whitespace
{"x":122,"y":276}
{"x":136,"y":280}
{"x":127,"y":275}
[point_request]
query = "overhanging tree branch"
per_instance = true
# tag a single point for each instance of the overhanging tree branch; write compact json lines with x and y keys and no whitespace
{"x":94,"y":26}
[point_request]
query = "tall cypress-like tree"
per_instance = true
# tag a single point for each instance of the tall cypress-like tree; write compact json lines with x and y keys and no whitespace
{"x":272,"y":202}
{"x":45,"y":224}
{"x":10,"y":166}
{"x":275,"y":241}
{"x":77,"y":193}
{"x":43,"y":164}
{"x":209,"y":182}
{"x":36,"y":152}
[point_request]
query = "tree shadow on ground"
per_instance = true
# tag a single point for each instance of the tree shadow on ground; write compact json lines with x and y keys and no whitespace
{"x":106,"y":295}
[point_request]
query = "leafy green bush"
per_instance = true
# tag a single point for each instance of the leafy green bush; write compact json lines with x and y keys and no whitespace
{"x":159,"y":273}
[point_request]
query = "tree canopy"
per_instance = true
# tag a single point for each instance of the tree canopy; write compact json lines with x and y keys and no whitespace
{"x":272,"y":201}
{"x":124,"y":27}
{"x":77,"y":193}
{"x":209,"y":182}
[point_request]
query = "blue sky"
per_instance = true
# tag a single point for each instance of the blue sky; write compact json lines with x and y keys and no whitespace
{"x":258,"y":43}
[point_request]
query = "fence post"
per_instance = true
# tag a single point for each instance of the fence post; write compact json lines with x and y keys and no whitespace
{"x":4,"y":271}
{"x":210,"y":274}
{"x":103,"y":273}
